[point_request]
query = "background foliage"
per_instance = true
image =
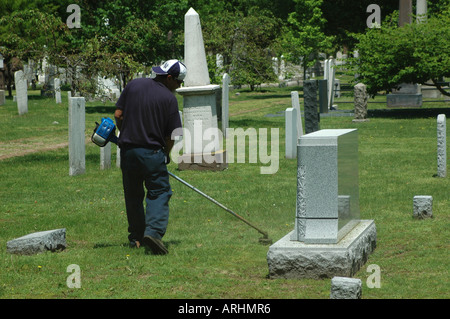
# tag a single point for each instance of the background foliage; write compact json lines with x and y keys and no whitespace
{"x":119,"y":38}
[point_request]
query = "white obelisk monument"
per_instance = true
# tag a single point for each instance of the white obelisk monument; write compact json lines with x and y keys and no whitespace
{"x":202,"y":138}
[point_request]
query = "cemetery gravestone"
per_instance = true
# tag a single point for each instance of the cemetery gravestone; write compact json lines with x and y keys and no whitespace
{"x":441,"y":146}
{"x":291,"y":132}
{"x":323,"y":96}
{"x":328,"y":239}
{"x":295,"y":102}
{"x":360,"y":103}
{"x":310,"y":100}
{"x":57,"y":84}
{"x":38,"y":242}
{"x":422,"y":207}
{"x":77,"y":147}
{"x":202,"y":141}
{"x":225,"y":102}
{"x":21,"y":92}
{"x":105,"y":157}
{"x":2,"y":97}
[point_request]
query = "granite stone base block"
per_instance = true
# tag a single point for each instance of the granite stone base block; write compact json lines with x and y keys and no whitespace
{"x":345,"y":288}
{"x":294,"y":259}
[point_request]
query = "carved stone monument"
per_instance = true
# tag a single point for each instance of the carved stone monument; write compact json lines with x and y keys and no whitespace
{"x":329,"y":238}
{"x":202,"y":138}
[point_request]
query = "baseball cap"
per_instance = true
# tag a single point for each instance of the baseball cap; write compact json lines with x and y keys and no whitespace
{"x":172,"y":67}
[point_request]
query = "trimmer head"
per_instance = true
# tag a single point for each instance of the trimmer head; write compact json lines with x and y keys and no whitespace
{"x":265,"y":240}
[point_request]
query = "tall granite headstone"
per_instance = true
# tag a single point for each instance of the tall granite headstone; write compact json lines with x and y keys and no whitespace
{"x":295,"y":102}
{"x":77,"y":147}
{"x":329,"y":238}
{"x":311,"y":108}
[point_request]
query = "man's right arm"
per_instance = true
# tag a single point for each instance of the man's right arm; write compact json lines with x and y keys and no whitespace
{"x":118,"y":115}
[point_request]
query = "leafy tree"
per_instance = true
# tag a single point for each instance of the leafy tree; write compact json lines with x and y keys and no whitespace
{"x":246,"y":43}
{"x":414,"y":53}
{"x":304,"y":36}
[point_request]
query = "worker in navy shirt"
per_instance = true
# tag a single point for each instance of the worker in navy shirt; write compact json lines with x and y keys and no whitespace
{"x":147,"y":115}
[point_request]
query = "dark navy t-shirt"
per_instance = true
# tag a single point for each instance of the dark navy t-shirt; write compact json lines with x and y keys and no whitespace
{"x":150,"y":113}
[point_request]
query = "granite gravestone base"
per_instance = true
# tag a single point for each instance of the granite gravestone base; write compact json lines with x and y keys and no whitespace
{"x":295,"y":260}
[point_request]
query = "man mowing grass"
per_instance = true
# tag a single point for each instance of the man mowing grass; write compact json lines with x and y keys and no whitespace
{"x":146,"y":115}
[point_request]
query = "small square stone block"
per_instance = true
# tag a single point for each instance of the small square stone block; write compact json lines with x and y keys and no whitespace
{"x":423,"y":206}
{"x":345,"y":288}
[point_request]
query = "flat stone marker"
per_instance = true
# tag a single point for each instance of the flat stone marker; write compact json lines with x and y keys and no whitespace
{"x":38,"y":242}
{"x":345,"y":288}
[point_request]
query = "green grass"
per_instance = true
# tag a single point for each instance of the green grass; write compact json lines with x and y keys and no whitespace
{"x":213,"y":254}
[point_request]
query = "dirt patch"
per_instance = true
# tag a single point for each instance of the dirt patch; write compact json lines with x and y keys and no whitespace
{"x":26,"y":146}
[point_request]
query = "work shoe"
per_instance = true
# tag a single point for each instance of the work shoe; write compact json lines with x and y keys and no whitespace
{"x":156,"y":246}
{"x":135,"y":244}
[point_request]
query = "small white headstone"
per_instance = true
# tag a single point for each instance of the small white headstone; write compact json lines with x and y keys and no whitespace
{"x":21,"y":92}
{"x":77,"y":147}
{"x":57,"y":83}
{"x":423,"y":206}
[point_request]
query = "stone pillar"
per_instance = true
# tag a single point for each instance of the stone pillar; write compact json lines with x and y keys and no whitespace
{"x":21,"y":92}
{"x":225,"y":103}
{"x":441,"y":146}
{"x":105,"y":157}
{"x":295,"y":102}
{"x":77,"y":147}
{"x":331,"y":76}
{"x":57,"y":84}
{"x":360,"y":103}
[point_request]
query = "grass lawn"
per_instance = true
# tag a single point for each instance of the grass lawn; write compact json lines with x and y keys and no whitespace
{"x":213,"y":254}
